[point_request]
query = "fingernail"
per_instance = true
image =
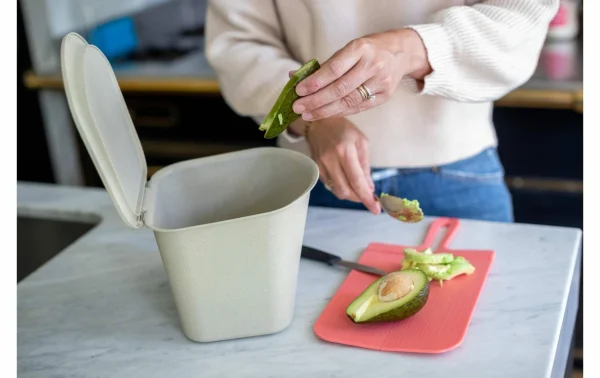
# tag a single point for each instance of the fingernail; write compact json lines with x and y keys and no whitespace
{"x":301,"y":90}
{"x":299,"y":108}
{"x":307,"y":116}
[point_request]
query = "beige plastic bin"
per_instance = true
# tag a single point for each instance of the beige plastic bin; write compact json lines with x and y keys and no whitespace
{"x":229,"y":227}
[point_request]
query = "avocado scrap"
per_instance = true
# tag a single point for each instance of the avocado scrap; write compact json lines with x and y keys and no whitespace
{"x":458,"y":266}
{"x":401,"y":208}
{"x":427,"y":257}
{"x":396,"y":296}
{"x":437,"y":266}
{"x":282,"y":115}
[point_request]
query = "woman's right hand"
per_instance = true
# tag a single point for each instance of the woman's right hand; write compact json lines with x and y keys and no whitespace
{"x":342,"y":153}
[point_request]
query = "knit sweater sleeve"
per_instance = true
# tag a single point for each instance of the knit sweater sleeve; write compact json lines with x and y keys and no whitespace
{"x":244,"y":46}
{"x":481,"y":52}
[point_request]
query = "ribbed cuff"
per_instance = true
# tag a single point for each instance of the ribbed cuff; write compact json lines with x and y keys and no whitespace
{"x":441,"y":58}
{"x":410,"y":85}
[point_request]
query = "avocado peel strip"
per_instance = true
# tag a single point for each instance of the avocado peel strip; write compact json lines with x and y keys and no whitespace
{"x":281,"y":114}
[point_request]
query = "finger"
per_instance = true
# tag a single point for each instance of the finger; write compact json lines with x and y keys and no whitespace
{"x":340,"y":185}
{"x":338,"y":107}
{"x":380,"y":98}
{"x":291,"y":73}
{"x":350,"y":101}
{"x":356,"y":177}
{"x":340,"y":88}
{"x":364,"y":159}
{"x":323,"y":175}
{"x":340,"y":63}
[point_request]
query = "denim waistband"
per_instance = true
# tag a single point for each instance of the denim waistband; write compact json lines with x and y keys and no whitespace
{"x":378,"y":174}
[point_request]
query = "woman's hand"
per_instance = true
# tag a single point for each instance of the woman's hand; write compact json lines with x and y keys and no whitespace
{"x":342,"y":153}
{"x":377,"y":61}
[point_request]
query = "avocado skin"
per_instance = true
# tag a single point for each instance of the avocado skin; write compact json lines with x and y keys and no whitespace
{"x":285,"y":101}
{"x":403,"y":312}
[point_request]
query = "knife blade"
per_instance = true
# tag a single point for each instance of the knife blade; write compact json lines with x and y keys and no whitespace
{"x":330,"y":259}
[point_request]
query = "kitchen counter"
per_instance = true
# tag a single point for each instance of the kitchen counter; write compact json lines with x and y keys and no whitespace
{"x":103,"y":307}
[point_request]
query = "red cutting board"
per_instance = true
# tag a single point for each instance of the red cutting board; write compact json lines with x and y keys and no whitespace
{"x":439,"y":327}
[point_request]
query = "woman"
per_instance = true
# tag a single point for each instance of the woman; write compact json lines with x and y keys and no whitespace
{"x":404,"y":92}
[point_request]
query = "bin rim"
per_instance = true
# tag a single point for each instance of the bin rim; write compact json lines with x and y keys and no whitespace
{"x":206,"y":160}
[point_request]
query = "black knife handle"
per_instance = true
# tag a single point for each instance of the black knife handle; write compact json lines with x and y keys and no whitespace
{"x":316,"y":255}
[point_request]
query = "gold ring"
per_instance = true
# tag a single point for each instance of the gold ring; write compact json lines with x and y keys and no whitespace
{"x":365,"y":93}
{"x":329,"y":185}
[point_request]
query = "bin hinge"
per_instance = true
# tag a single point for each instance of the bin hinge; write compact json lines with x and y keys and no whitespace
{"x":142,"y":218}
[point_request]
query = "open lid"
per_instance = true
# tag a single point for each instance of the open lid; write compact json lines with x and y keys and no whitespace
{"x":104,"y":123}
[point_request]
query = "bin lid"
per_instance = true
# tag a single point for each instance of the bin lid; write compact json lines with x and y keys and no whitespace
{"x":103,"y":121}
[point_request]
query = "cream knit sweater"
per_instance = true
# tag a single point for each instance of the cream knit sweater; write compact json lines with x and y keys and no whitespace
{"x":479,"y":51}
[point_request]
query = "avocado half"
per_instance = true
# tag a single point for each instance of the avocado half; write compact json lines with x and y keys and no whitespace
{"x":396,"y":296}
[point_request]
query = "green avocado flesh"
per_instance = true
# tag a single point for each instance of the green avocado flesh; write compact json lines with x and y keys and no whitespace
{"x":437,"y":266}
{"x":282,"y":115}
{"x":396,"y":296}
{"x":458,"y":266}
{"x":427,"y":257}
{"x":404,"y":210}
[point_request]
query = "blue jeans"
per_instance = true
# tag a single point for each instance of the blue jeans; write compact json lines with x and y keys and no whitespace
{"x":472,"y":188}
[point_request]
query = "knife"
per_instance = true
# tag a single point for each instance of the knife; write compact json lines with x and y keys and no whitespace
{"x":329,"y":259}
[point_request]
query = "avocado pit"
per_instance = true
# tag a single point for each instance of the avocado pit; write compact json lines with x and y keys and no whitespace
{"x":394,"y":286}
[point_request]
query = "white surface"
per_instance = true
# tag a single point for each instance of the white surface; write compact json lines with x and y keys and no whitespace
{"x":105,"y":125}
{"x":103,"y":307}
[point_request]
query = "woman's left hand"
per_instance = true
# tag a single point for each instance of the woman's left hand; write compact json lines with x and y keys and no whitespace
{"x":377,"y":62}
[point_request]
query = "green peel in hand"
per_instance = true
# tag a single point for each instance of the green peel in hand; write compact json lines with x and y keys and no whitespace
{"x":282,"y":115}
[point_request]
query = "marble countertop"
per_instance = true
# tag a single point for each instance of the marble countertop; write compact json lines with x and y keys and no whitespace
{"x":103,"y":307}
